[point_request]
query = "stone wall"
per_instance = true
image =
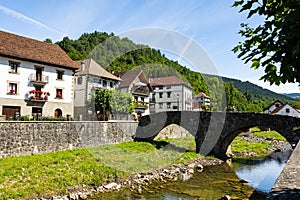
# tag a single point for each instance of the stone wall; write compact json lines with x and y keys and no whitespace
{"x":26,"y":138}
{"x":172,"y":131}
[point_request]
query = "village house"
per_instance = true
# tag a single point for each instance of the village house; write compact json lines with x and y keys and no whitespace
{"x":36,"y":78}
{"x":201,"y":102}
{"x":90,"y":77}
{"x":170,"y":94}
{"x":279,"y":108}
{"x":136,"y":83}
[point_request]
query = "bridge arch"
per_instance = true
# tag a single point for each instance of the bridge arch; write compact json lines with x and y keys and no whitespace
{"x":173,"y":131}
{"x":214,"y":131}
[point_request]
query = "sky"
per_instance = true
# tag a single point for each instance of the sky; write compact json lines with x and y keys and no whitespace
{"x":212,"y":25}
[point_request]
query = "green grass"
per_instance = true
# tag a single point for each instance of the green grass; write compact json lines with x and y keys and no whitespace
{"x":269,"y":134}
{"x":56,"y":173}
{"x":239,"y":145}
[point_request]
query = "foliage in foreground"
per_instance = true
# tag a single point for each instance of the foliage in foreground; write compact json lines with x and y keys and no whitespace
{"x":273,"y":45}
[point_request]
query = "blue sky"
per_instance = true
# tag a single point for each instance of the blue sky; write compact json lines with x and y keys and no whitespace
{"x":212,"y":24}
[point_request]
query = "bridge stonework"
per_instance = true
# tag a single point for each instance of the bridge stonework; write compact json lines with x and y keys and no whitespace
{"x":214,"y":131}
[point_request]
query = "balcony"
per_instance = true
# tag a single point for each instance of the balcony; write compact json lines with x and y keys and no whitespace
{"x":143,"y":90}
{"x":38,"y":96}
{"x":140,"y":105}
{"x":38,"y":80}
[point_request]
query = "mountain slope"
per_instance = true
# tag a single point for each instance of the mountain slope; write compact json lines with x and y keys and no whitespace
{"x":116,"y":54}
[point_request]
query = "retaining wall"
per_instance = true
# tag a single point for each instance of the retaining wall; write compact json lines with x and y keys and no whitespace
{"x":26,"y":138}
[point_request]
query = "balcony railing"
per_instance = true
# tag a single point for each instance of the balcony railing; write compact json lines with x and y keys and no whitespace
{"x":141,"y":105}
{"x":38,"y":95}
{"x":142,"y":90}
{"x":42,"y":80}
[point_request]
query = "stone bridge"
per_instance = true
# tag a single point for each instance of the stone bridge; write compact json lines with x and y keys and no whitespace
{"x":214,"y":131}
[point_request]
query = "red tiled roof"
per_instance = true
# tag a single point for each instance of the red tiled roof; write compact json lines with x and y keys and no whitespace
{"x":19,"y":47}
{"x":168,"y":80}
{"x":201,"y":94}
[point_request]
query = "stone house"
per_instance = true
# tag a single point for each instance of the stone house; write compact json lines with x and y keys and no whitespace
{"x":170,"y":94}
{"x":36,"y":78}
{"x":136,"y":83}
{"x":279,"y":108}
{"x":90,"y":77}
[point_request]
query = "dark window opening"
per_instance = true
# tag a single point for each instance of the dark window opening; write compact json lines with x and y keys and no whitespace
{"x":60,"y":75}
{"x":14,"y":67}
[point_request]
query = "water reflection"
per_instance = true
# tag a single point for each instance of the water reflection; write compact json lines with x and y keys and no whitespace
{"x":215,"y":182}
{"x":261,"y":173}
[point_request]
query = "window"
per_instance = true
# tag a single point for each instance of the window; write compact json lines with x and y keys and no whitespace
{"x":12,"y":88}
{"x":161,"y":87}
{"x":59,"y":93}
{"x":142,"y":99}
{"x":160,"y":95}
{"x":287,"y":110}
{"x":111,"y":84}
{"x":161,"y":105}
{"x":169,"y":87}
{"x":168,"y":105}
{"x":14,"y":67}
{"x":169,"y":94}
{"x":104,"y":83}
{"x":60,"y":75}
{"x":79,"y":80}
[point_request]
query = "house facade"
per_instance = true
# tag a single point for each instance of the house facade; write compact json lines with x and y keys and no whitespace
{"x":201,"y":102}
{"x":36,"y":78}
{"x":170,"y":94}
{"x":90,"y":77}
{"x":136,"y":83}
{"x":279,"y":108}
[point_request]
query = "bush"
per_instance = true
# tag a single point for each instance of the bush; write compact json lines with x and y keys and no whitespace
{"x":25,"y":118}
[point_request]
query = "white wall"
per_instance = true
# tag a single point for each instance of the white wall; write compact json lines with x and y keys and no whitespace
{"x":292,"y":112}
{"x":24,"y":86}
{"x":180,"y":94}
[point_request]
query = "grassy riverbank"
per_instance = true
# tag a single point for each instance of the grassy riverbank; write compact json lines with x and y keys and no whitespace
{"x":257,"y":143}
{"x":59,"y":172}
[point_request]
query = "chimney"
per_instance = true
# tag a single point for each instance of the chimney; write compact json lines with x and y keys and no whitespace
{"x":82,"y":66}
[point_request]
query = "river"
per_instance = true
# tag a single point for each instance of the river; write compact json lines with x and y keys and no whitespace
{"x":241,"y":179}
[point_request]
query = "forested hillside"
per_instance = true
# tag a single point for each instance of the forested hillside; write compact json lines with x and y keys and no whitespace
{"x":257,"y":91}
{"x":121,"y":54}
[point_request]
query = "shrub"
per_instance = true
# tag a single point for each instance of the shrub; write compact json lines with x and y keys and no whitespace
{"x":25,"y":118}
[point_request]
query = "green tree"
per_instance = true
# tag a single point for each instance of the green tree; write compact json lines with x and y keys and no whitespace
{"x":48,"y":40}
{"x":248,"y":96}
{"x":275,"y":44}
{"x":106,"y":102}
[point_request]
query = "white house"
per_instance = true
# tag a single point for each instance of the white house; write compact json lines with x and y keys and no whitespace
{"x":90,"y":77}
{"x":278,"y":108}
{"x":136,"y":83}
{"x":201,"y":101}
{"x":170,"y":94}
{"x":35,"y":77}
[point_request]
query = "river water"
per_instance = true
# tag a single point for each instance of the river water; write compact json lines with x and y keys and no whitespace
{"x":240,"y":179}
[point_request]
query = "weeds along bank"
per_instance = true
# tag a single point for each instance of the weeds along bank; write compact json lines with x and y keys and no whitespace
{"x":26,"y":138}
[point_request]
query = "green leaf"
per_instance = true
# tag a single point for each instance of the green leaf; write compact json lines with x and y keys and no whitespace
{"x":255,"y":64}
